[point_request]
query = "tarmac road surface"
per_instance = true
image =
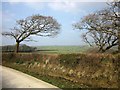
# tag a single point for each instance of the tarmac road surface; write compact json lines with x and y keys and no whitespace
{"x":15,"y":79}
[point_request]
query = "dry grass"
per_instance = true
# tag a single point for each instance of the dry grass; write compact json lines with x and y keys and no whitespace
{"x":89,"y":70}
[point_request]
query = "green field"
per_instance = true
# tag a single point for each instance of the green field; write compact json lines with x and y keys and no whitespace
{"x":55,"y":49}
{"x":62,"y":49}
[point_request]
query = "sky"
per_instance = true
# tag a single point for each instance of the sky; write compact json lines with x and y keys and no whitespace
{"x":65,"y":12}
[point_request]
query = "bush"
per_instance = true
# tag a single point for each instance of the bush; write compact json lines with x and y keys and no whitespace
{"x":68,"y":60}
{"x":22,"y":48}
{"x":25,"y":48}
{"x":94,"y":70}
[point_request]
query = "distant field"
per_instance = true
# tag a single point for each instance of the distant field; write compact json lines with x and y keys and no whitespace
{"x":62,"y":49}
{"x":55,"y":49}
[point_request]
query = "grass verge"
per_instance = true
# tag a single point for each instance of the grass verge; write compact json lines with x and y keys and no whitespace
{"x":57,"y":81}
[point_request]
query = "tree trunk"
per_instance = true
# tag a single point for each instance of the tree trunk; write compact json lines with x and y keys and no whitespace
{"x":119,"y":45}
{"x":119,"y":40}
{"x":17,"y":47}
{"x":101,"y":49}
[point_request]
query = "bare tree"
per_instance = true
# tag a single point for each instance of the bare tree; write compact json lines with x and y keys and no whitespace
{"x":33,"y":25}
{"x":103,"y":27}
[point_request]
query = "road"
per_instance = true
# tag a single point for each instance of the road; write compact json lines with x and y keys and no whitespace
{"x":15,"y":79}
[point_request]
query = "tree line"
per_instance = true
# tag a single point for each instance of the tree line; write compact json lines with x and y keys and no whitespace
{"x":102,"y":28}
{"x":22,"y":48}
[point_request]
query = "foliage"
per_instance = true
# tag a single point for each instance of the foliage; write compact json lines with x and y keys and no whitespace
{"x":22,"y":48}
{"x":68,"y":60}
{"x":86,"y":70}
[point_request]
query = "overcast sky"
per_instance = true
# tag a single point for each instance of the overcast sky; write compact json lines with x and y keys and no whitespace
{"x":66,"y":13}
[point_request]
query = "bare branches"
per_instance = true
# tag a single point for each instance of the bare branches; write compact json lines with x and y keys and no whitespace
{"x":11,"y":34}
{"x":34,"y":25}
{"x":103,"y":27}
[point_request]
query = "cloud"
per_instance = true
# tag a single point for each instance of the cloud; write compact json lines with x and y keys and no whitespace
{"x":64,"y":6}
{"x":22,"y":0}
{"x":0,"y":21}
{"x":58,"y":5}
{"x":68,"y":6}
{"x":57,"y":0}
{"x":34,"y":5}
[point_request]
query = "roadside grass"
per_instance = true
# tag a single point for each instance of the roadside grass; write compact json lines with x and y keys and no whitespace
{"x":57,"y":81}
{"x":68,"y":70}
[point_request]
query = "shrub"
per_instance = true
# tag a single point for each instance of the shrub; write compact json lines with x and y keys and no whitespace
{"x":22,"y":48}
{"x":94,"y":70}
{"x":68,"y":60}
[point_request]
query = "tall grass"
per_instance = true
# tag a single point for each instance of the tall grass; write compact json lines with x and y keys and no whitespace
{"x":81,"y":70}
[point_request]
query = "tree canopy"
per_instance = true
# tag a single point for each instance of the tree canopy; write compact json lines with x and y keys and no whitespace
{"x":103,"y":27}
{"x":33,"y":25}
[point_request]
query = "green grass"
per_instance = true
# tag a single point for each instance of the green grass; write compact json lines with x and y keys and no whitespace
{"x":93,"y":64}
{"x":57,"y":81}
{"x":62,"y":49}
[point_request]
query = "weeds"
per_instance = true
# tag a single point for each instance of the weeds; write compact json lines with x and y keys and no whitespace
{"x":95,"y":70}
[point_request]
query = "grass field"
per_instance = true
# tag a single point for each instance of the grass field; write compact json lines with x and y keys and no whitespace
{"x":62,"y":49}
